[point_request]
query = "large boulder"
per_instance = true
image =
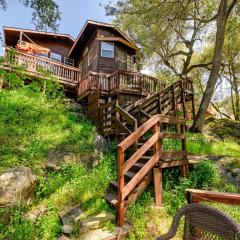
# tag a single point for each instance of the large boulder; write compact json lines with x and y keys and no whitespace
{"x":17,"y":186}
{"x":56,"y":158}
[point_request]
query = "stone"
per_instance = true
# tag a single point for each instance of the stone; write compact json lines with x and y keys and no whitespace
{"x":100,"y":144}
{"x":89,"y":160}
{"x":67,"y":228}
{"x":56,"y":158}
{"x":63,"y":238}
{"x":36,"y":213}
{"x":17,"y":186}
{"x":71,"y":215}
{"x":98,"y":234}
{"x":104,"y":234}
{"x":94,"y":222}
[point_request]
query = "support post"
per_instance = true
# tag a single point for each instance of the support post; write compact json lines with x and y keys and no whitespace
{"x":121,"y":210}
{"x":157,"y":174}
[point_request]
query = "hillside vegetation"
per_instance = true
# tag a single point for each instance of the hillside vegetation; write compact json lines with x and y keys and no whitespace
{"x":33,"y":123}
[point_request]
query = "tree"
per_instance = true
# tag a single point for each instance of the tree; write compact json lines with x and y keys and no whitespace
{"x":168,"y":32}
{"x":174,"y":31}
{"x":45,"y":14}
{"x":224,"y":11}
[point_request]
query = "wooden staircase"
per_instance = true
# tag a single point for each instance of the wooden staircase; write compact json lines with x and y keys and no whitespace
{"x":141,"y":128}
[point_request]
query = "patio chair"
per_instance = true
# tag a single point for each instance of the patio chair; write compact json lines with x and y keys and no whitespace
{"x":203,"y":223}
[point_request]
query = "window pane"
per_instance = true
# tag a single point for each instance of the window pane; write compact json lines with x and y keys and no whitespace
{"x":108,"y":54}
{"x":107,"y":50}
{"x":55,"y":57}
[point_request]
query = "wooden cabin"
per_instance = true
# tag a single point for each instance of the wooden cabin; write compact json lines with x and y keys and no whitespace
{"x":101,"y":65}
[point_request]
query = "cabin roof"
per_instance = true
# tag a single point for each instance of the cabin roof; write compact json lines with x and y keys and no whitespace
{"x":13,"y":31}
{"x":94,"y":24}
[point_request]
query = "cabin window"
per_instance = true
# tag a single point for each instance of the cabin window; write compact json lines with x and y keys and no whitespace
{"x":107,"y":50}
{"x":55,"y":57}
{"x":90,"y":57}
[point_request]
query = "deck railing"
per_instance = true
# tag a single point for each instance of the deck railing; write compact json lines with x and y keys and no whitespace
{"x":33,"y":63}
{"x":120,"y":80}
{"x":164,"y":158}
{"x":134,"y":81}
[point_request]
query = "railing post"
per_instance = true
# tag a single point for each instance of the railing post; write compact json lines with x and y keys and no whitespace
{"x":184,"y":168}
{"x":157,"y":172}
{"x":121,"y":207}
{"x":183,"y":99}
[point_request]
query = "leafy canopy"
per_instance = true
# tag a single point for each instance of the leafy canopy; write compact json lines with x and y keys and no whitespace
{"x":45,"y":14}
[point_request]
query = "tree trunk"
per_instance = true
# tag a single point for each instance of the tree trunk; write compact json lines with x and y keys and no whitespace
{"x":237,"y":97}
{"x":217,"y":60}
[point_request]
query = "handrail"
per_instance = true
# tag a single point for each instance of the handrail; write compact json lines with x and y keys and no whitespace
{"x":59,"y":70}
{"x":43,"y":58}
{"x":124,"y":189}
{"x":196,"y":196}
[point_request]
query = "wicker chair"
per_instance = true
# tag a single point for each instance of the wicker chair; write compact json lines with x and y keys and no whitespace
{"x":203,"y":223}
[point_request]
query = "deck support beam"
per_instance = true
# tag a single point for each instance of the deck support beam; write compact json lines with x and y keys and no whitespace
{"x":157,"y":175}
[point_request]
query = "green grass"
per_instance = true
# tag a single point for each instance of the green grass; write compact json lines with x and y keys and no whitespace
{"x":201,"y":144}
{"x":31,"y":124}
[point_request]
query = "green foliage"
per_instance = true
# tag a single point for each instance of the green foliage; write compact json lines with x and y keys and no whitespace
{"x":45,"y":14}
{"x":200,"y":144}
{"x":18,"y":228}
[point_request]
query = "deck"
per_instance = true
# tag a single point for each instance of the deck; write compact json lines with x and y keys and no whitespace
{"x":67,"y":75}
{"x":119,"y":81}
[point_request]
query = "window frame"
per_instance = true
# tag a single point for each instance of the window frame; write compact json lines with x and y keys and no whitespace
{"x":55,"y":59}
{"x":90,"y":57}
{"x":102,"y":50}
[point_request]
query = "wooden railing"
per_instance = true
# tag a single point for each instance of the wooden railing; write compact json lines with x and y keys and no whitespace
{"x":135,"y":81}
{"x":34,"y":63}
{"x":163,"y":102}
{"x":120,"y":80}
{"x":107,"y":116}
{"x":155,"y":142}
{"x":196,"y":196}
{"x":125,"y":122}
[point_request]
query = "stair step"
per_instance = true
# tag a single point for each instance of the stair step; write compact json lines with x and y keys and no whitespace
{"x":138,"y":165}
{"x":114,"y":184}
{"x":112,"y":198}
{"x":130,"y":174}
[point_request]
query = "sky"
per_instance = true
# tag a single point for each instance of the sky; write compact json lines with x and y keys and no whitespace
{"x":74,"y":15}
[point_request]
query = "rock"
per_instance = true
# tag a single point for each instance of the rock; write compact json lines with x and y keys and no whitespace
{"x":56,"y":158}
{"x":89,"y":160}
{"x":63,"y":238}
{"x":97,"y":221}
{"x":98,"y":234}
{"x":100,"y":144}
{"x":36,"y":213}
{"x":71,"y":215}
{"x":67,"y":229}
{"x":17,"y":186}
{"x":104,"y":234}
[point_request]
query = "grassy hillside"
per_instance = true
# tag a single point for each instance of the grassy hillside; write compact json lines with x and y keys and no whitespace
{"x":33,"y":123}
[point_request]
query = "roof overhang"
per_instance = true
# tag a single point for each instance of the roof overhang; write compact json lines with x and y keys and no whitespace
{"x":12,"y":31}
{"x":125,"y":40}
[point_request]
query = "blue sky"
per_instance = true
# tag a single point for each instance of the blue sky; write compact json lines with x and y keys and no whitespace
{"x":74,"y":15}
